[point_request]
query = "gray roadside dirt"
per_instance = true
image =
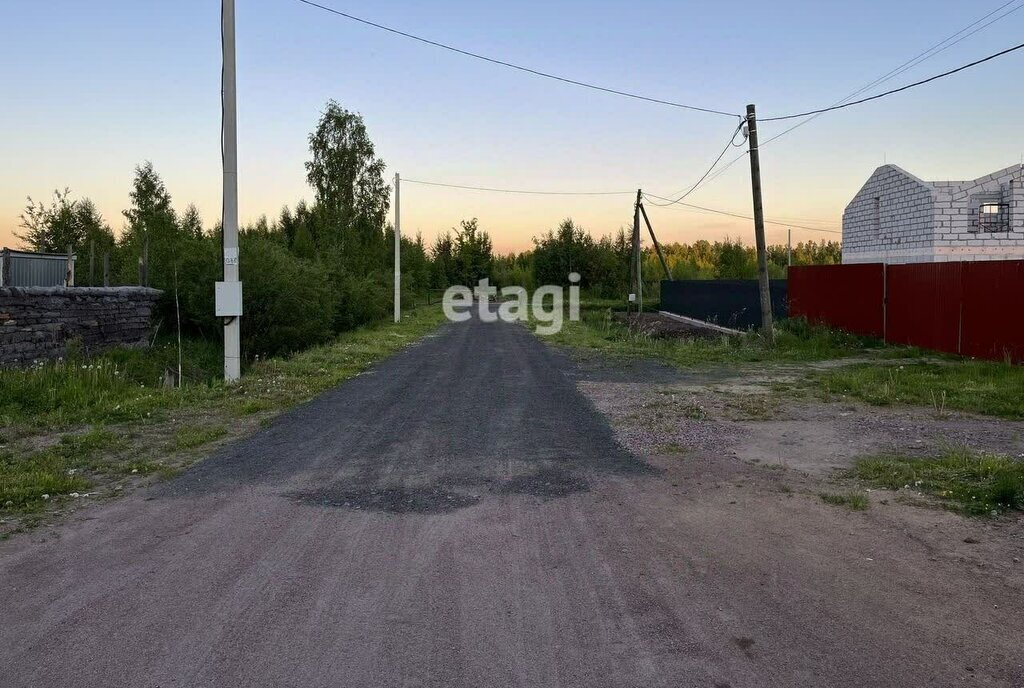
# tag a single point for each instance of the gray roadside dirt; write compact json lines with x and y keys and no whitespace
{"x":465,"y":516}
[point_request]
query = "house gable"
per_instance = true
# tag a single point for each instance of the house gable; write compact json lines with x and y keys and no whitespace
{"x":892,"y":215}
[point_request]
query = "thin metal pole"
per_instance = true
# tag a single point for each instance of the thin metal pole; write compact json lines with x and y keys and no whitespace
{"x":233,"y":326}
{"x":767,"y":327}
{"x":398,"y":248}
{"x":177,"y":315}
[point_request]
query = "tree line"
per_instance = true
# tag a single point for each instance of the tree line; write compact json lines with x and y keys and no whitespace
{"x":325,"y":266}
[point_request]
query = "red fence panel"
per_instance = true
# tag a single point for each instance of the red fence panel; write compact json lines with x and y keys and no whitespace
{"x":992,"y":321}
{"x":969,"y":308}
{"x":924,"y":305}
{"x":846,"y":297}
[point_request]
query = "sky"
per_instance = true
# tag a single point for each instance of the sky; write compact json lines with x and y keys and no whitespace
{"x":93,"y":89}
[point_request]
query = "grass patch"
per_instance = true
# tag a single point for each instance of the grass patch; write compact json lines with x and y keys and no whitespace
{"x":252,"y":407}
{"x":972,"y":483}
{"x":795,"y":340}
{"x":752,"y":406}
{"x":28,"y":481}
{"x":196,"y":436}
{"x":984,"y":387}
{"x":854,"y":501}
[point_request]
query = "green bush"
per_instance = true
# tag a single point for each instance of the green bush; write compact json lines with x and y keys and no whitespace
{"x":359,"y":300}
{"x":288,"y":301}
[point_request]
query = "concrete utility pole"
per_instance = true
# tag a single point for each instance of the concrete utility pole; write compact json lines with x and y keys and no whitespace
{"x":767,"y":326}
{"x":398,"y":248}
{"x":229,"y":292}
{"x":638,"y":252}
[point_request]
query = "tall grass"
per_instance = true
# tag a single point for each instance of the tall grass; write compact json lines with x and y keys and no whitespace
{"x":117,"y":386}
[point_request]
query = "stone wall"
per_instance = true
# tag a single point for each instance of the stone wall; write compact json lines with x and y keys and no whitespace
{"x":38,"y":323}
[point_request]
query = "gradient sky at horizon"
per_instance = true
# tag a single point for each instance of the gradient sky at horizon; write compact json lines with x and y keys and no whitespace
{"x":93,"y":89}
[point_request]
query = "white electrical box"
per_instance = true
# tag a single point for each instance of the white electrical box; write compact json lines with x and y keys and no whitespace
{"x":228,"y":299}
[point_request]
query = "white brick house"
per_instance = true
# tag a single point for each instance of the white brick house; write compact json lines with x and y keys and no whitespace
{"x":898,"y":218}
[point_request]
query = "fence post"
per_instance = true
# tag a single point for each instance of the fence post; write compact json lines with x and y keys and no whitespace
{"x":92,"y":262}
{"x":69,"y":275}
{"x":106,"y":268}
{"x":885,"y":302}
{"x":144,"y":263}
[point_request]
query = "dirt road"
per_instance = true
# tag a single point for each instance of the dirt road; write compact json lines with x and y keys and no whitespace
{"x":462,"y":516}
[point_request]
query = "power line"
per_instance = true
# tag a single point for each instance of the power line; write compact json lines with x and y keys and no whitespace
{"x":936,"y":49}
{"x":913,"y":61}
{"x":895,"y":90}
{"x":511,"y":65}
{"x":931,"y":52}
{"x":648,"y":196}
{"x":729,"y":144}
{"x":520,"y":191}
{"x":743,"y":217}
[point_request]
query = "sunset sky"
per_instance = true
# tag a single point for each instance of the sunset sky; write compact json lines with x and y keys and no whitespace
{"x":93,"y":89}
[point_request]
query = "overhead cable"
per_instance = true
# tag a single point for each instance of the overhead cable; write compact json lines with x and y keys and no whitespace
{"x":519,"y":191}
{"x":922,"y":82}
{"x":743,"y":217}
{"x":510,"y":65}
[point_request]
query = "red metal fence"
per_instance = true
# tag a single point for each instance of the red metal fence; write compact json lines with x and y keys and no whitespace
{"x":973,"y":309}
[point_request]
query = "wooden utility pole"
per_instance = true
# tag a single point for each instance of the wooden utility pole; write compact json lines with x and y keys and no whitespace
{"x":657,"y":246}
{"x":767,"y":326}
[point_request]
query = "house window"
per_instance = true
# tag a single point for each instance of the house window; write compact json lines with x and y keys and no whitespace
{"x":994,"y":217}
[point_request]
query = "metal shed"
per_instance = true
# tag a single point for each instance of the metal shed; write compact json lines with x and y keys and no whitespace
{"x":26,"y":269}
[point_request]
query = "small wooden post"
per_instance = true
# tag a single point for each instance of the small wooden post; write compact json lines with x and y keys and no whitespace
{"x":69,"y":275}
{"x":144,"y":263}
{"x":106,"y":268}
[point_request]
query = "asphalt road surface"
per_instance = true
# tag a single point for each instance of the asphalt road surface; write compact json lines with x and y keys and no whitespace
{"x":462,"y":517}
